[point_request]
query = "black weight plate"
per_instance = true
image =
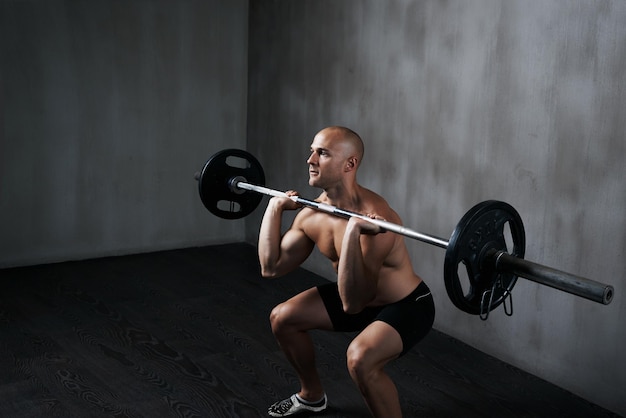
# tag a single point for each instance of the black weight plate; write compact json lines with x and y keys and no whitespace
{"x":214,"y":183}
{"x":481,"y":230}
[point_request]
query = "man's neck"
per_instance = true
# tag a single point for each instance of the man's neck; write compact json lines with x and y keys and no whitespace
{"x":343,"y":197}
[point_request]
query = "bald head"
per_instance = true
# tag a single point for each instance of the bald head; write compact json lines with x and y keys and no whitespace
{"x":351,"y":141}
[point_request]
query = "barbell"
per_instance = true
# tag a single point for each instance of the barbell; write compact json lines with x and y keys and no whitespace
{"x":489,"y":240}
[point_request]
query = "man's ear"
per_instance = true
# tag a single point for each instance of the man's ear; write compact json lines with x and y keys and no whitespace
{"x":351,"y":164}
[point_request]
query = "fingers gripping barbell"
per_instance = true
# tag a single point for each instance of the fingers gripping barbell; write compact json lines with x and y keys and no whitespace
{"x":231,"y":187}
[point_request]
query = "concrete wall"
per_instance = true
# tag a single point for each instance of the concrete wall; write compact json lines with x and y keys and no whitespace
{"x":108,"y":108}
{"x":460,"y":102}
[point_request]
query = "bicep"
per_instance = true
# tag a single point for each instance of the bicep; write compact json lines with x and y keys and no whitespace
{"x":295,"y":247}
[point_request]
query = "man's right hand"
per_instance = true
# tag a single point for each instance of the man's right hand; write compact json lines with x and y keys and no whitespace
{"x":286,"y":203}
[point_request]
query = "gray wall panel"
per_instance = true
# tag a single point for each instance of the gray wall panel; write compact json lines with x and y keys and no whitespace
{"x":108,"y":108}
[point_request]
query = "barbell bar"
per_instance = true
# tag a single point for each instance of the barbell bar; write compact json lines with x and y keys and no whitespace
{"x":230,"y":187}
{"x":239,"y":183}
{"x":503,"y":262}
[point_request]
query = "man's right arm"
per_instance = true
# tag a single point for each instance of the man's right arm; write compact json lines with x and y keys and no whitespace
{"x":280,"y":254}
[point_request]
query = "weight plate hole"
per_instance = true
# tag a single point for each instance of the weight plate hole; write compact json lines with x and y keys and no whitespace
{"x":228,"y":206}
{"x":464,"y":279}
{"x":508,"y":237}
{"x":237,"y":162}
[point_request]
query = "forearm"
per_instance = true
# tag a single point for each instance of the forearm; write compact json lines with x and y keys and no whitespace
{"x":357,"y":285}
{"x":269,"y":239}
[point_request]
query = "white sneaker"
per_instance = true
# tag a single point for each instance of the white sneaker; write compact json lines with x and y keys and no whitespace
{"x":295,"y":404}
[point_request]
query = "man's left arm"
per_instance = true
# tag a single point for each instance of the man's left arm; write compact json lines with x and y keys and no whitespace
{"x":363,"y":251}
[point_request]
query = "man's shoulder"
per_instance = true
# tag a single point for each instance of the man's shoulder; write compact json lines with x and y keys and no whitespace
{"x":373,"y":198}
{"x":377,"y":204}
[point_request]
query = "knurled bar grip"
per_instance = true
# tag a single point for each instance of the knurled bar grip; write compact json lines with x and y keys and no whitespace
{"x":503,"y":262}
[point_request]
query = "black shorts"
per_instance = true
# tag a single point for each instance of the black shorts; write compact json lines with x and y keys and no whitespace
{"x":412,"y":316}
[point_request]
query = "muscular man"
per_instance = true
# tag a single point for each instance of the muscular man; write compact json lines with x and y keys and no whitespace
{"x":377,"y":292}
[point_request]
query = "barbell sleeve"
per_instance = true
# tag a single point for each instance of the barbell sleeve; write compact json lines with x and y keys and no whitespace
{"x":557,"y":279}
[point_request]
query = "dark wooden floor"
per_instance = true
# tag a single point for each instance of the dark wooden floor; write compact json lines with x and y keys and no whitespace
{"x":185,"y":334}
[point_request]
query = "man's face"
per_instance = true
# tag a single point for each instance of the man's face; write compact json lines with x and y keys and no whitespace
{"x":326,"y":160}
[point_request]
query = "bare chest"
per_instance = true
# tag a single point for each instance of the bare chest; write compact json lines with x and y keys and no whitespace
{"x":327,"y":232}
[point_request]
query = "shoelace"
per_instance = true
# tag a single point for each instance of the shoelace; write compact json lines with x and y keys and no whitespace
{"x":283,"y":406}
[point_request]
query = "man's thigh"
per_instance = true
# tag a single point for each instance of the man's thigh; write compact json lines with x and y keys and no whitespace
{"x":306,"y":310}
{"x":378,"y":343}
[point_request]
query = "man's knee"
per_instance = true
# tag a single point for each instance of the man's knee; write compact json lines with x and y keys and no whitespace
{"x":282,"y":317}
{"x":359,"y":360}
{"x":276,"y":317}
{"x":365,"y":360}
